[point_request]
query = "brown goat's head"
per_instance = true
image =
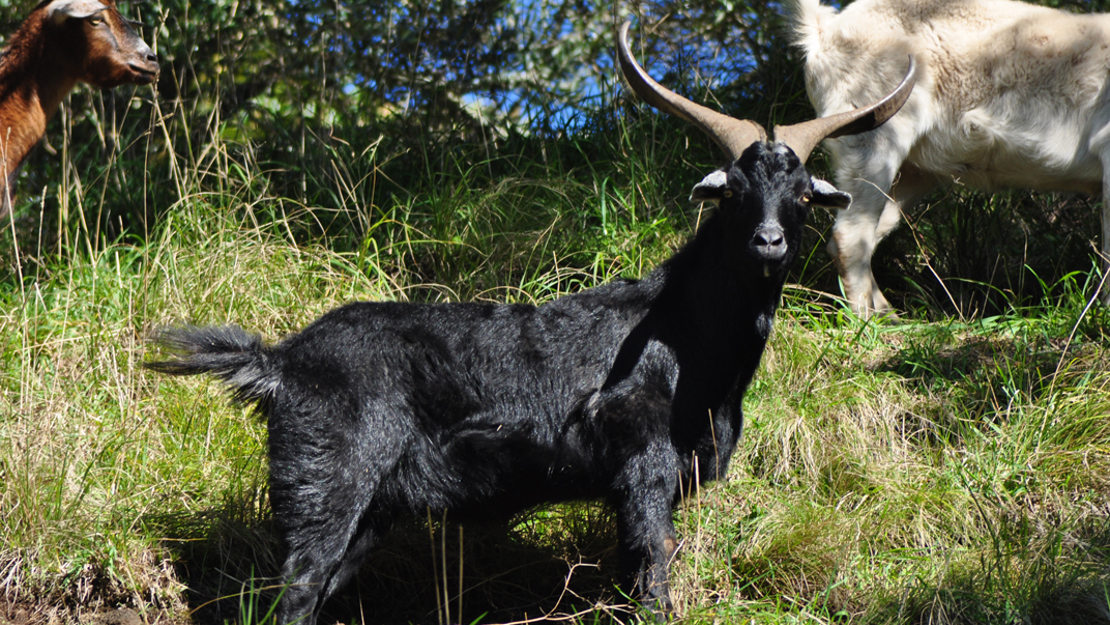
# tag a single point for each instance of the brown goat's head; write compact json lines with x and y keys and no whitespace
{"x":100,"y":46}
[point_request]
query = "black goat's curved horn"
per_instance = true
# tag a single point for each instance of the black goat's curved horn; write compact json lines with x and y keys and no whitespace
{"x":803,"y":137}
{"x":733,"y":135}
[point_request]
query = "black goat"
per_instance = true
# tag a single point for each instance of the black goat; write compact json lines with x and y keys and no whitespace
{"x":629,"y":392}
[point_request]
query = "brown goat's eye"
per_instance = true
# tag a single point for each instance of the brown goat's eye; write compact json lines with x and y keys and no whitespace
{"x":96,"y":21}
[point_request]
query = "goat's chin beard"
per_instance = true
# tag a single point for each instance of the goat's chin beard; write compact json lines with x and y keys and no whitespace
{"x":774,"y":270}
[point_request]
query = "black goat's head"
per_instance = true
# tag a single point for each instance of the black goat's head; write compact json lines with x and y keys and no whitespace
{"x":765,"y":196}
{"x":765,"y":192}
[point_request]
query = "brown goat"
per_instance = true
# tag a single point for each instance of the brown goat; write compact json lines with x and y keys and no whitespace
{"x":61,"y":43}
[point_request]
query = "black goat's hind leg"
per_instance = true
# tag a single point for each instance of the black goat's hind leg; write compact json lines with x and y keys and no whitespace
{"x":327,"y":527}
{"x":308,"y":571}
{"x":317,"y":568}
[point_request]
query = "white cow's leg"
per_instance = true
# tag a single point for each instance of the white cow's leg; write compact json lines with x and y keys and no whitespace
{"x":860,"y":228}
{"x":867,"y":166}
{"x":854,"y":237}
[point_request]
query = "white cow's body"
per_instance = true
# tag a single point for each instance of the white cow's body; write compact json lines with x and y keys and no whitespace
{"x":1008,"y":95}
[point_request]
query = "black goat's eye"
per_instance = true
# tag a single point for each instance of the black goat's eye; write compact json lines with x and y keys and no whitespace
{"x":726,"y":193}
{"x":806,"y":198}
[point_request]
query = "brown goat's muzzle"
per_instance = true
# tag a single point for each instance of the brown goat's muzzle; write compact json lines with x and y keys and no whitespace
{"x":144,"y":72}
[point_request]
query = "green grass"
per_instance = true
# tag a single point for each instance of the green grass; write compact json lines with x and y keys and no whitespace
{"x":947,"y":469}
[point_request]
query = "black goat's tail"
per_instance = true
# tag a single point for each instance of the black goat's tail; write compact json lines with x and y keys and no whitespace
{"x":228,"y":353}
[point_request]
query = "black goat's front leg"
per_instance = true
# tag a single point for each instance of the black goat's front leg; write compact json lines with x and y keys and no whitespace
{"x":646,"y":526}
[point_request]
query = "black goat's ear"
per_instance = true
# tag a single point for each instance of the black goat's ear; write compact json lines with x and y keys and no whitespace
{"x":713,"y":188}
{"x":824,"y":194}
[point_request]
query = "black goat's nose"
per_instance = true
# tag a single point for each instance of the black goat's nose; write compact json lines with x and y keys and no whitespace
{"x":769,"y":242}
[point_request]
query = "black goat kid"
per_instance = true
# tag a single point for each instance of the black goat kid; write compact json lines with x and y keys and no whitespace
{"x":629,"y":392}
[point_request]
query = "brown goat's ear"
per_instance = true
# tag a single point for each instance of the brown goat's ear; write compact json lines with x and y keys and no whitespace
{"x":61,"y":10}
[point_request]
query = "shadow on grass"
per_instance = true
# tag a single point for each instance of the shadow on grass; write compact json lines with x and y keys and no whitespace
{"x":980,"y":379}
{"x":977,"y":361}
{"x":1031,"y":573}
{"x":550,"y":561}
{"x":972,"y":597}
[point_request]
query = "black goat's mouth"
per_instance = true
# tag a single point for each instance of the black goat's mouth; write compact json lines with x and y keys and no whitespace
{"x":771,"y":259}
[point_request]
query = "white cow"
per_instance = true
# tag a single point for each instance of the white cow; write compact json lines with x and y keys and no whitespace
{"x":1008,"y":95}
